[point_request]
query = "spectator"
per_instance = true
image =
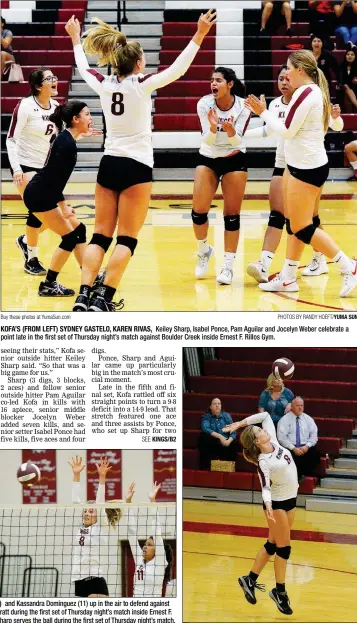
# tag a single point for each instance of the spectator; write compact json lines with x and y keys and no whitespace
{"x":346,"y":14}
{"x":6,"y":49}
{"x":268,"y":6}
{"x":213,"y":443}
{"x":322,"y":17}
{"x":348,"y":81}
{"x":325,"y":61}
{"x":297,"y":431}
{"x":351,"y":155}
{"x":275,"y":399}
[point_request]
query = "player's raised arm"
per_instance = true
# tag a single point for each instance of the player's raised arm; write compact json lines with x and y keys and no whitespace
{"x":77,"y":467}
{"x":92,"y":77}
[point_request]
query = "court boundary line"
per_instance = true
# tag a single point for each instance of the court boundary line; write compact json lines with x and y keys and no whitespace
{"x":189,"y":196}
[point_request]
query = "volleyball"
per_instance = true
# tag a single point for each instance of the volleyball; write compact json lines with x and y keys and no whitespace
{"x":283,"y":368}
{"x":28,"y":474}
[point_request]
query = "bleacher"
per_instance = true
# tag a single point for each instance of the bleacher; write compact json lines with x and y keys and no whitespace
{"x":326,"y":381}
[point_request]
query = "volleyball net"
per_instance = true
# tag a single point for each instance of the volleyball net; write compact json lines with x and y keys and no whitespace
{"x":45,"y":550}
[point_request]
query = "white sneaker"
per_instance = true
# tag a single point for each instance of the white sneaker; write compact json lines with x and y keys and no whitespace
{"x":225,"y":276}
{"x":349,"y":280}
{"x":318,"y":266}
{"x":202,"y":263}
{"x":278,"y":284}
{"x":258,"y":272}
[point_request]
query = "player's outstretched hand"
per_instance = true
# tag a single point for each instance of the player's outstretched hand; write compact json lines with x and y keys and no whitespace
{"x":103,"y":467}
{"x":73,"y":28}
{"x":76,"y":464}
{"x":255,"y":105}
{"x":335,"y":111}
{"x":92,"y":132}
{"x":230,"y":428}
{"x":206,"y":22}
{"x":155,"y":489}
{"x":130,"y":493}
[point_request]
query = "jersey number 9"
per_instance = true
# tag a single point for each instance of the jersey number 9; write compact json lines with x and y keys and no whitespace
{"x":117,"y":104}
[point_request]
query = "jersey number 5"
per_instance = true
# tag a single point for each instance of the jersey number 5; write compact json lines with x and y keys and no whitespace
{"x":117,"y":104}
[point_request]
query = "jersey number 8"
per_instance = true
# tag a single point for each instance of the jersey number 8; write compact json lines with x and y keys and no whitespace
{"x":117,"y":107}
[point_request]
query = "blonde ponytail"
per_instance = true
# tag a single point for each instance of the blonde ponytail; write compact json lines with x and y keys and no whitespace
{"x":111,"y":46}
{"x":307,"y":61}
{"x":251,"y":450}
{"x":323,"y":84}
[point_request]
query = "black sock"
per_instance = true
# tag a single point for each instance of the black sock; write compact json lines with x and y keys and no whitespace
{"x":85,"y":290}
{"x":253,"y":576}
{"x":280,"y":588}
{"x":108,"y":293}
{"x":51,"y":276}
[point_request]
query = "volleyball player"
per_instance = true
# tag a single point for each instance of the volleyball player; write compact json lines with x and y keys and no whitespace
{"x":259,"y":270}
{"x":279,"y":481}
{"x":43,"y":195}
{"x":351,"y":155}
{"x":27,"y":143}
{"x":224,"y":120}
{"x":153,"y":562}
{"x":125,"y":173}
{"x":304,"y":128}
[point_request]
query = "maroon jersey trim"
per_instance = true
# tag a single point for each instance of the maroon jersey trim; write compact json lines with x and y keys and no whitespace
{"x":96,"y":74}
{"x":296,"y":105}
{"x":146,"y":77}
{"x":14,"y":120}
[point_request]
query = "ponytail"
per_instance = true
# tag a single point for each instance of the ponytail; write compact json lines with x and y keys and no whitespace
{"x":64,"y":113}
{"x":305,"y":60}
{"x":229,"y":75}
{"x":323,"y":84}
{"x":111,"y":47}
{"x":251,"y":450}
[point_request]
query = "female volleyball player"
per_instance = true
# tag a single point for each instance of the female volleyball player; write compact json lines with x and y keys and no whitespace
{"x":27,"y":143}
{"x":87,"y":573}
{"x":259,"y":270}
{"x":304,"y":128}
{"x":43,"y":195}
{"x":153,"y":562}
{"x":125,"y":174}
{"x":278,"y":477}
{"x":224,"y":120}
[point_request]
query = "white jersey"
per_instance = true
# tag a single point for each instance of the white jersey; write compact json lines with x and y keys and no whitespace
{"x":148,"y":576}
{"x":276,"y":470}
{"x":30,"y":134}
{"x":87,"y":542}
{"x":302,"y":128}
{"x":220,"y":145}
{"x":127,"y":104}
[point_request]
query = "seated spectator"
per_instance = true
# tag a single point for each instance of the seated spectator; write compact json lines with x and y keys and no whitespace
{"x":322,"y":18}
{"x":268,"y":6}
{"x":351,"y":155}
{"x":6,"y":49}
{"x":213,"y":443}
{"x":275,"y":399}
{"x":346,"y":18}
{"x":348,"y":82}
{"x":297,"y":431}
{"x":325,"y":61}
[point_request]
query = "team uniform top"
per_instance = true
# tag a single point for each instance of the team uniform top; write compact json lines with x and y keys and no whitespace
{"x":276,"y":470}
{"x":50,"y":182}
{"x":149,"y":576}
{"x":302,"y":128}
{"x":30,"y":134}
{"x":279,"y":110}
{"x":87,"y":541}
{"x":127,"y":104}
{"x":220,"y":145}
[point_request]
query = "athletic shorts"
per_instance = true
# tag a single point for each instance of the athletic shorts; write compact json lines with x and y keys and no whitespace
{"x":221,"y":166}
{"x":285,"y":505}
{"x":91,"y":586}
{"x":278,"y":172}
{"x":25,"y":169}
{"x":119,"y":173}
{"x":36,"y":201}
{"x":315,"y":177}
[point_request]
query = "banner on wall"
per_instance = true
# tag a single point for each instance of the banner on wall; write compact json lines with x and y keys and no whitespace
{"x":165,"y":473}
{"x":113,"y":482}
{"x":45,"y":492}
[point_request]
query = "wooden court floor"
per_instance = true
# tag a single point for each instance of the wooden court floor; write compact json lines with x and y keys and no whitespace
{"x":221,"y":540}
{"x":160,"y":276}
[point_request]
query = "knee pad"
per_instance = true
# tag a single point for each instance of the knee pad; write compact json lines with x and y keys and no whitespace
{"x":276,"y":219}
{"x":101,"y":241}
{"x":69,"y":241}
{"x":284,"y":552}
{"x":199,"y":219}
{"x":128,"y":241}
{"x":306,"y":233}
{"x":81,"y":232}
{"x":316,"y":221}
{"x":33,"y":221}
{"x":232,"y":222}
{"x":288,"y":228}
{"x":270,"y":548}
